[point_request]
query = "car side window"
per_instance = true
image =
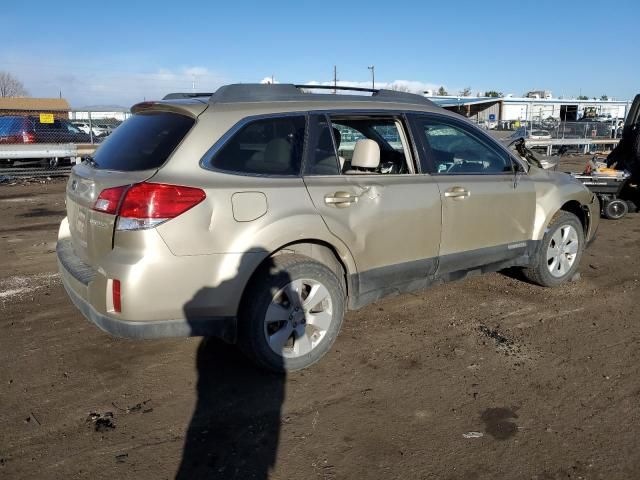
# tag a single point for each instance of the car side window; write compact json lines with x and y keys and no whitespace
{"x":267,"y":146}
{"x":453,"y":150}
{"x":387,"y":132}
{"x":321,"y":156}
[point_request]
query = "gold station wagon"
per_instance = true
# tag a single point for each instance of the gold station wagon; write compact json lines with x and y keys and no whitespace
{"x":262,"y":213}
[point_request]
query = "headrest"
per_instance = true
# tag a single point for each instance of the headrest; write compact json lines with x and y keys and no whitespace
{"x":277,"y":155}
{"x":366,"y":154}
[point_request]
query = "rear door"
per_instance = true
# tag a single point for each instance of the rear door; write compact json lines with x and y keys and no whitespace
{"x":487,"y":209}
{"x":132,"y":154}
{"x":389,"y":221}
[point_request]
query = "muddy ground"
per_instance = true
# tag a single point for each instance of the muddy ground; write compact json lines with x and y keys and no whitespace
{"x":480,"y":379}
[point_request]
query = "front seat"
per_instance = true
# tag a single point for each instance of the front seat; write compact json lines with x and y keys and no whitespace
{"x":366,"y":158}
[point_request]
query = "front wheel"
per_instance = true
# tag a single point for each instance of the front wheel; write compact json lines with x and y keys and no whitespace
{"x":291,"y":314}
{"x":559,"y":254}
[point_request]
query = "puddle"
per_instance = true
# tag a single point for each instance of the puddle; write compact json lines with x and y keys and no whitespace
{"x":498,"y":423}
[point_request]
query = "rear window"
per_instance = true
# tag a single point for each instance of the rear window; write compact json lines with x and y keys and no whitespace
{"x":143,"y":142}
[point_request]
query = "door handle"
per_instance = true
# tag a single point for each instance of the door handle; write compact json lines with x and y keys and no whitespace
{"x":457,"y":192}
{"x":340,"y":199}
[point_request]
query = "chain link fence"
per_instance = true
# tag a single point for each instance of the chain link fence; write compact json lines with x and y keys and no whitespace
{"x":35,"y":143}
{"x":557,"y":129}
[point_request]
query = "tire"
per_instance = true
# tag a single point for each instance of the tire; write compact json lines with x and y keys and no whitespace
{"x":50,"y":163}
{"x":548,"y":267}
{"x":615,"y":209}
{"x":311,"y":327}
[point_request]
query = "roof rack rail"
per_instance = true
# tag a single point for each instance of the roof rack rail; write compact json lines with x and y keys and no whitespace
{"x":338,"y":87}
{"x":184,"y":95}
{"x":288,"y":92}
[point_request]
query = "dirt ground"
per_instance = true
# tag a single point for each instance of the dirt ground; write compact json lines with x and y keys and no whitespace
{"x":481,"y":379}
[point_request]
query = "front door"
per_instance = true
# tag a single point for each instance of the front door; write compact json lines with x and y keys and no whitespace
{"x":488,"y":206}
{"x":389,"y":221}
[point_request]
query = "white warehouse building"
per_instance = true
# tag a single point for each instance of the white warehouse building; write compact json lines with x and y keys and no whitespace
{"x":510,"y":109}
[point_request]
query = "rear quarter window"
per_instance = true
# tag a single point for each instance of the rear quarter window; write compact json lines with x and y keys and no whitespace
{"x":143,"y":142}
{"x":268,"y":146}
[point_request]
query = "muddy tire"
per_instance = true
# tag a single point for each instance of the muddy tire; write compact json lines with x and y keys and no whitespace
{"x":291,"y":314}
{"x":560,"y":251}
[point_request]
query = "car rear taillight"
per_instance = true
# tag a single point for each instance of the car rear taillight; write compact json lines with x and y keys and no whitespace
{"x":145,"y":205}
{"x":109,"y":200}
{"x":28,"y":137}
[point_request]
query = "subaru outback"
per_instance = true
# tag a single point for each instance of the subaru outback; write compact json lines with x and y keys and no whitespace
{"x":260,"y":214}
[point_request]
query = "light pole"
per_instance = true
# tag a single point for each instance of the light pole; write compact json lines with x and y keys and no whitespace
{"x":373,"y":76}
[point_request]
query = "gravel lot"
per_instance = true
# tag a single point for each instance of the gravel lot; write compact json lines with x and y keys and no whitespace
{"x":480,"y":379}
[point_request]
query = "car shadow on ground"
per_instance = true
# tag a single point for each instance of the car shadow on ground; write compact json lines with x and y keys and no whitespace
{"x":235,"y":428}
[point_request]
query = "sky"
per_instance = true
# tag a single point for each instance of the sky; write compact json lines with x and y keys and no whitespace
{"x":121,"y":52}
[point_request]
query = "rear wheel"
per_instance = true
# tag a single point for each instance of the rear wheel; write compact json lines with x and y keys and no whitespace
{"x":559,"y":254}
{"x":615,"y":209}
{"x":292,"y":313}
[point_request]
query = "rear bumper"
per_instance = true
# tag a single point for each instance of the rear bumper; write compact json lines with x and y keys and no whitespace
{"x":221,"y":327}
{"x":151,"y":307}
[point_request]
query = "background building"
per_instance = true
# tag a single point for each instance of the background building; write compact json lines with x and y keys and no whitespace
{"x":533,"y":108}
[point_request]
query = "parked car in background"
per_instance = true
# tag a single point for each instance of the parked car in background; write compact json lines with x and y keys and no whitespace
{"x":105,"y":129}
{"x":539,"y":135}
{"x":533,"y":134}
{"x":29,"y":129}
{"x":83,"y":126}
{"x":98,"y":129}
{"x":25,"y":129}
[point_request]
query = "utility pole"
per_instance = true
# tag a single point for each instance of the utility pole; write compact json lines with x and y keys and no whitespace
{"x":373,"y":76}
{"x":335,"y":80}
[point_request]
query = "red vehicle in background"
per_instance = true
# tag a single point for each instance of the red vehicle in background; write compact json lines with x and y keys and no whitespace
{"x":26,"y":129}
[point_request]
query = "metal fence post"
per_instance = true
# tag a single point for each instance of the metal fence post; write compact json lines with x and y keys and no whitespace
{"x":90,"y":127}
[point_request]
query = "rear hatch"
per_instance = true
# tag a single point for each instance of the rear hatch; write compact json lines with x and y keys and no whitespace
{"x":132,"y":154}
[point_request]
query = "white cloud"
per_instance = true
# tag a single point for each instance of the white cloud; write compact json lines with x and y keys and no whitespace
{"x":266,"y":80}
{"x":87,"y":83}
{"x":412,"y":86}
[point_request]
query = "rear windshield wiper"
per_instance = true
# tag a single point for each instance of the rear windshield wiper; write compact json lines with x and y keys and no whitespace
{"x":90,"y":160}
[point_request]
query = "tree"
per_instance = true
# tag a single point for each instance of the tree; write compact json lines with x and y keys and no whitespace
{"x":399,"y":88}
{"x":465,"y":93}
{"x":583,"y":97}
{"x":10,"y":86}
{"x":604,"y":97}
{"x":442,"y":92}
{"x":493,"y":93}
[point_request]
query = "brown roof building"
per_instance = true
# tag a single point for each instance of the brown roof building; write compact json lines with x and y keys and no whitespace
{"x":22,"y":105}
